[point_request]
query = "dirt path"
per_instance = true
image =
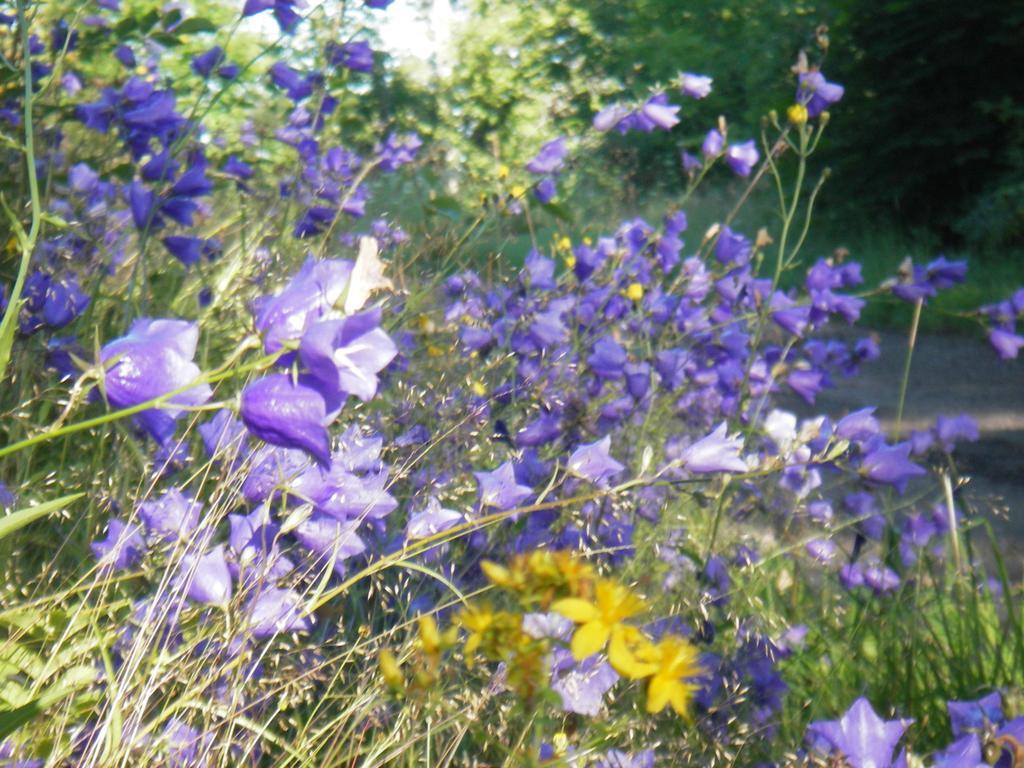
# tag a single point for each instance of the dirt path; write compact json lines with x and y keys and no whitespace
{"x":952,"y":375}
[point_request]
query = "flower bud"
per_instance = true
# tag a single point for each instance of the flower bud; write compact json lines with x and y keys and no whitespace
{"x":797,"y":114}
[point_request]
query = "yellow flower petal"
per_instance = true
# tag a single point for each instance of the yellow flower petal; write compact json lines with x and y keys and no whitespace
{"x":430,"y":636}
{"x":659,"y":691}
{"x":575,"y":609}
{"x":589,"y":639}
{"x":623,"y":659}
{"x":682,"y":695}
{"x":498,"y":574}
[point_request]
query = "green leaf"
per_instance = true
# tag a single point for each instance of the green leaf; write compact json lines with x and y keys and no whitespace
{"x":195,"y":25}
{"x":74,"y":680}
{"x":171,"y":18}
{"x":149,"y":20}
{"x":165,"y":38}
{"x":125,"y":26}
{"x":23,"y":517}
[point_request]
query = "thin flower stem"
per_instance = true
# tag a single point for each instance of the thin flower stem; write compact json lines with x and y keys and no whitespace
{"x":905,"y":380}
{"x":156,"y":402}
{"x":28,"y":242}
{"x":719,"y":509}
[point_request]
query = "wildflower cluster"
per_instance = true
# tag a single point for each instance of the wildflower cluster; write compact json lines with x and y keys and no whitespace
{"x":319,"y":473}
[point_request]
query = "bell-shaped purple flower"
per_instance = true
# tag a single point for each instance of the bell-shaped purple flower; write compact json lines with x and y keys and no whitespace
{"x":207,"y":577}
{"x":274,"y":611}
{"x":310,"y":294}
{"x":205,"y":62}
{"x":432,"y":520}
{"x":608,"y":358}
{"x":742,"y":157}
{"x":715,"y":453}
{"x":594,"y":462}
{"x":694,"y":86}
{"x":858,"y":426}
{"x":550,"y":158}
{"x":153,"y":359}
{"x":291,"y":81}
{"x":610,"y":116}
{"x":658,"y":112}
{"x":170,"y":518}
{"x":1006,"y":343}
{"x":356,"y":55}
{"x":966,"y":716}
{"x":345,"y":356}
{"x":816,"y":93}
{"x":500,"y":489}
{"x":122,"y":548}
{"x":582,"y":685}
{"x":282,"y":412}
{"x":860,"y":736}
{"x":822,"y":550}
{"x":333,"y":540}
{"x":890,"y":465}
{"x":222,"y":434}
{"x":713,"y":144}
{"x":964,"y":752}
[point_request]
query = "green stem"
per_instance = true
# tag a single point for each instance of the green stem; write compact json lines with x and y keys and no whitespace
{"x":28,"y":243}
{"x":911,"y":343}
{"x":719,"y":509}
{"x":156,"y":402}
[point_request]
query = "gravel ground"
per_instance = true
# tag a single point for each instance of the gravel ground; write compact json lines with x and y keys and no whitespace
{"x":952,"y":375}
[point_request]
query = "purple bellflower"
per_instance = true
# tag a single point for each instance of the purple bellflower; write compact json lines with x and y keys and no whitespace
{"x":287,"y":414}
{"x":816,"y":93}
{"x":694,"y":86}
{"x":715,"y":453}
{"x":170,"y":518}
{"x":356,"y":56}
{"x":274,"y":611}
{"x":890,"y":465}
{"x":861,"y":736}
{"x":594,"y":462}
{"x":345,"y":356}
{"x":122,"y":548}
{"x":966,"y":716}
{"x":155,"y":358}
{"x":742,"y":158}
{"x":310,"y":294}
{"x":551,"y":157}
{"x":207,"y":577}
{"x":500,"y":489}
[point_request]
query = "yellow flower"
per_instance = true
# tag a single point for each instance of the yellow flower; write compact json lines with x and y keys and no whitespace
{"x":635,"y":292}
{"x":503,"y":172}
{"x":631,"y":653}
{"x":430,"y":635}
{"x":500,"y":576}
{"x":797,"y":114}
{"x":676,"y":659}
{"x":564,"y":243}
{"x":570,"y":261}
{"x":391,"y":671}
{"x":613,"y":604}
{"x":476,"y":621}
{"x":518,"y":190}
